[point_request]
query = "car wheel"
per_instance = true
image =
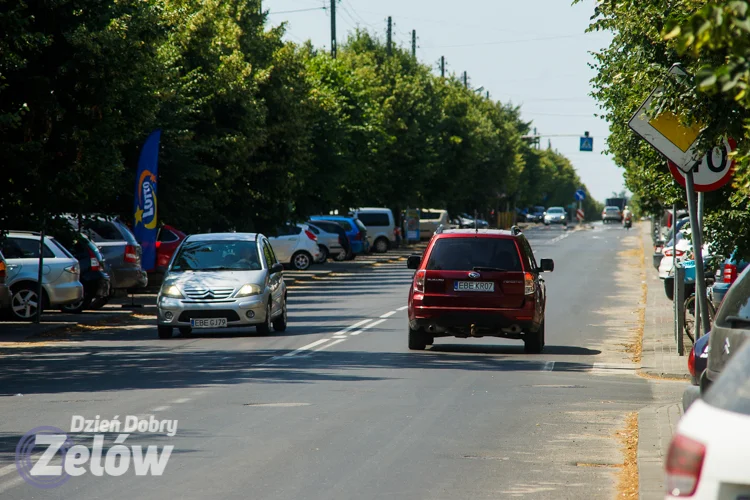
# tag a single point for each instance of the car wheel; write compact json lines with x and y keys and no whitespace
{"x":24,"y":302}
{"x":381,"y":245}
{"x":165,"y":332}
{"x":265,"y":327}
{"x":76,"y":307}
{"x":324,"y":253}
{"x":279,"y":324}
{"x":417,"y":340}
{"x":533,"y":343}
{"x":340,"y":257}
{"x":98,"y":303}
{"x":185,"y":330}
{"x":301,"y":261}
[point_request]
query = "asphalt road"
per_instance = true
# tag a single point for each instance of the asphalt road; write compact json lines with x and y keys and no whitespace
{"x":337,"y":407}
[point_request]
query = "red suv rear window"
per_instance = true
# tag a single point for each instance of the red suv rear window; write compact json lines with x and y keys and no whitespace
{"x":464,"y":254}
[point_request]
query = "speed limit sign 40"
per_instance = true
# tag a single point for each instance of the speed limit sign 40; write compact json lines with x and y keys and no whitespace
{"x":714,"y":171}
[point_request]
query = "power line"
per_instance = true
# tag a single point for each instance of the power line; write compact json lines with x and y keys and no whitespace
{"x":502,"y":42}
{"x":297,"y":10}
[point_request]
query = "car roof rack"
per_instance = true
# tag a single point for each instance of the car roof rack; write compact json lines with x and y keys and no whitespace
{"x":515,"y":230}
{"x":35,"y":233}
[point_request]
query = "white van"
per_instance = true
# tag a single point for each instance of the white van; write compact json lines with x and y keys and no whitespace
{"x":381,"y":227}
{"x":430,"y":219}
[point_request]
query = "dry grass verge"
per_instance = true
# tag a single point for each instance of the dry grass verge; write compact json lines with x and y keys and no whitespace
{"x":627,"y":486}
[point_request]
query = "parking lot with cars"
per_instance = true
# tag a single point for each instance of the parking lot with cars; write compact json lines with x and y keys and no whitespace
{"x":469,"y":416}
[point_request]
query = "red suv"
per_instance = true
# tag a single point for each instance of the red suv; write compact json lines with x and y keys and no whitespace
{"x":478,"y":283}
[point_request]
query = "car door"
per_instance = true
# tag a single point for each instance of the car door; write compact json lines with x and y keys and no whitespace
{"x":24,"y":258}
{"x":284,"y":243}
{"x":275,"y":280}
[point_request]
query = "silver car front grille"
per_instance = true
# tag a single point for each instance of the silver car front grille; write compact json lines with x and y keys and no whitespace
{"x":203,"y":293}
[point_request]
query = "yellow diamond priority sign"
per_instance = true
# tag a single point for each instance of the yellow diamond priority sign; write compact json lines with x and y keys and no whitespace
{"x":664,"y":131}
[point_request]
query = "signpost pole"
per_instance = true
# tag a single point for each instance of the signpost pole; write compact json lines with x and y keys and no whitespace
{"x":700,"y":278}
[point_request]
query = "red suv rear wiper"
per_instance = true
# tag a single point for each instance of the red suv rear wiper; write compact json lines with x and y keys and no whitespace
{"x":489,"y":269}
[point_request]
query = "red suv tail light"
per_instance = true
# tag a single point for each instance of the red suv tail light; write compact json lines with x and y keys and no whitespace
{"x":730,"y":273}
{"x":419,"y":281}
{"x":684,"y":464}
{"x":311,"y":235}
{"x":358,"y":236}
{"x":131,"y":254}
{"x":529,"y":284}
{"x":3,"y":271}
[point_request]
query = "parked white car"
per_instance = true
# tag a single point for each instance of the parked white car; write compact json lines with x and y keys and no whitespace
{"x":60,"y":281}
{"x":430,"y":219}
{"x":381,"y":227}
{"x":296,"y":246}
{"x":710,"y":451}
{"x":328,"y":243}
{"x":677,"y":253}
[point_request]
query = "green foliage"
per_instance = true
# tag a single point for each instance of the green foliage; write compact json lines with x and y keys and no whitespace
{"x":711,"y":40}
{"x":256,"y":131}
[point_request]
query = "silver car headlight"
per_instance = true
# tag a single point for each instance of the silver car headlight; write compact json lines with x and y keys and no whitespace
{"x":172,"y":292}
{"x":249,"y":290}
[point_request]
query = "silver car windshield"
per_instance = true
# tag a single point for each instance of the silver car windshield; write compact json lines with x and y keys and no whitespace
{"x":217,"y":256}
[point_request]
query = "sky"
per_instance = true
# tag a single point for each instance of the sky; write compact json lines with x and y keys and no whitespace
{"x":531,"y":53}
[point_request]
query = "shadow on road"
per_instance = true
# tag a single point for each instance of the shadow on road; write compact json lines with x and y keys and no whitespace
{"x":81,"y":368}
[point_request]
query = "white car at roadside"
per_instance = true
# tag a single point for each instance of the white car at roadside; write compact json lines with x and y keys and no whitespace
{"x":296,"y":246}
{"x":710,"y":451}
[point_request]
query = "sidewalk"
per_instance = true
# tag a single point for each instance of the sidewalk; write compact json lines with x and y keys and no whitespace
{"x":657,"y":423}
{"x":660,"y":356}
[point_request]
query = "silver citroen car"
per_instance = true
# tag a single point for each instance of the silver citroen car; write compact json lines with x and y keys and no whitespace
{"x":223,"y":280}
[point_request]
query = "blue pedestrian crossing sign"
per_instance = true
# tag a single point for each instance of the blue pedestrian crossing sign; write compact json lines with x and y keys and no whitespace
{"x":580,"y":195}
{"x":587,"y":143}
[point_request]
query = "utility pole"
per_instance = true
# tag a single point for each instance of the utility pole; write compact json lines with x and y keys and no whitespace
{"x":389,"y":37}
{"x":334,"y":47}
{"x":442,"y":66}
{"x":414,"y":43}
{"x":466,"y":79}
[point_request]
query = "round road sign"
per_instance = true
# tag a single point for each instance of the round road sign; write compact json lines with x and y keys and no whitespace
{"x":714,"y":171}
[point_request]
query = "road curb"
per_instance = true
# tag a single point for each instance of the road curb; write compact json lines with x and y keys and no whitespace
{"x":656,"y":425}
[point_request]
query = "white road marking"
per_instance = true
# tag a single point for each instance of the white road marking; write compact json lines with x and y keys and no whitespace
{"x":389,"y":314}
{"x":559,"y":238}
{"x":371,"y":325}
{"x":548,"y":366}
{"x":329,"y":345}
{"x":339,"y":336}
{"x":305,"y":348}
{"x":353,"y":327}
{"x":160,"y":408}
{"x":403,"y":308}
{"x":181,"y":401}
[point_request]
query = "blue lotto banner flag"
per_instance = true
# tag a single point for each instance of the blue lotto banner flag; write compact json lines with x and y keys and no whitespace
{"x":145,"y":202}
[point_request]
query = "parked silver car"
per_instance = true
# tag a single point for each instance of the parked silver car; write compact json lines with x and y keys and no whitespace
{"x":119,"y":247}
{"x":60,"y":281}
{"x":223,"y":280}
